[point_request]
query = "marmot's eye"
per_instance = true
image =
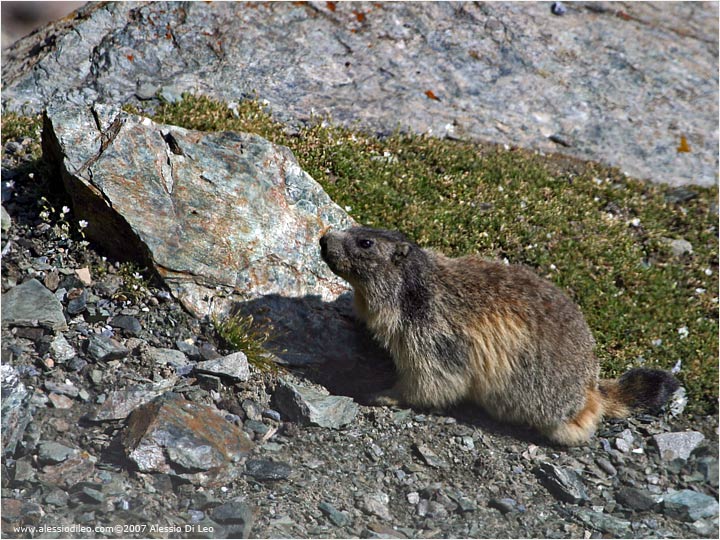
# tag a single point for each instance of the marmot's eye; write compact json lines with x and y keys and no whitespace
{"x":365,"y":243}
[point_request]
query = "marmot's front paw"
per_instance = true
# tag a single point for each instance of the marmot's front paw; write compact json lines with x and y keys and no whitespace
{"x":387,"y":398}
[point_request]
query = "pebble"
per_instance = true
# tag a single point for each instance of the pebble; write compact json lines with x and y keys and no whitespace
{"x":265,"y":470}
{"x":60,"y":402}
{"x":635,"y":499}
{"x":61,"y":350}
{"x":307,"y":406}
{"x":31,"y":304}
{"x":678,"y":445}
{"x":602,"y":522}
{"x":236,"y":514}
{"x":376,"y":504}
{"x":77,"y":301}
{"x":337,"y":518}
{"x":689,"y":505}
{"x":130,"y":325}
{"x":505,"y":505}
{"x":606,"y":466}
{"x":234,"y":366}
{"x":168,"y":357}
{"x":557,"y":8}
{"x":53,"y":452}
{"x":565,"y":484}
{"x":708,"y":467}
{"x":103,"y":348}
{"x":430,"y":457}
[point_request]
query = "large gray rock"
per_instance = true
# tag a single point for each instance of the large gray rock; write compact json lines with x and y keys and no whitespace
{"x":614,"y":82}
{"x":31,"y":304}
{"x":689,"y":505}
{"x":223,"y":217}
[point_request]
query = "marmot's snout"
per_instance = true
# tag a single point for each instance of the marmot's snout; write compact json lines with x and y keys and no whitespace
{"x":330,"y":250}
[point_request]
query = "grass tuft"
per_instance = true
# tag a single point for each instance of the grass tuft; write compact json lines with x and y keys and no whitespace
{"x":242,"y":334}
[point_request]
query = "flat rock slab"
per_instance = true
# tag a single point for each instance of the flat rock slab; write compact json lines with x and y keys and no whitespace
{"x":16,"y":409}
{"x":310,"y":407}
{"x":174,"y":436}
{"x":32,"y":304}
{"x":233,"y":365}
{"x":565,"y":484}
{"x":619,"y":82}
{"x":222,"y":217}
{"x":689,"y":505}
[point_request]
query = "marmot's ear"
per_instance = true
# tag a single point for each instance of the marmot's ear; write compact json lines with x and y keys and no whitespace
{"x":401,"y":251}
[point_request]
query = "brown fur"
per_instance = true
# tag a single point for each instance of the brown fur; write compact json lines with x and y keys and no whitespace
{"x":477,"y":330}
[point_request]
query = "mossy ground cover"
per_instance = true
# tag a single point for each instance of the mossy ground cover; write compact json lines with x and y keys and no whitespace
{"x":600,"y":236}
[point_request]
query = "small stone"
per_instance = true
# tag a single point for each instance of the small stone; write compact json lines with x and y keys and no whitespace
{"x":563,"y":483}
{"x":127,"y":323}
{"x":237,"y":515}
{"x":337,"y":518}
{"x":271,"y":414}
{"x":5,"y":220}
{"x":602,"y":522}
{"x":234,"y":365}
{"x":678,"y":445}
{"x":17,"y":409}
{"x":635,"y":499}
{"x":680,"y":195}
{"x":56,"y":497}
{"x":61,"y":350}
{"x":504,"y":505}
{"x":264,"y":470}
{"x":624,"y":441}
{"x":60,"y":401}
{"x":413,"y":497}
{"x":52,"y":280}
{"x":557,"y":8}
{"x":679,"y":246}
{"x":376,"y":504}
{"x":606,"y":466}
{"x":53,"y":452}
{"x":24,"y":471}
{"x":31,"y":304}
{"x":103,"y":348}
{"x":307,"y":406}
{"x":188,"y":347}
{"x":688,"y":505}
{"x":708,"y":467}
{"x":430,"y":457}
{"x":77,"y":301}
{"x":83,"y":275}
{"x":66,"y":388}
{"x":168,"y":357}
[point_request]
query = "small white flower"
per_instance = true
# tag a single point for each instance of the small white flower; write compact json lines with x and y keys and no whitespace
{"x":656,"y":342}
{"x":708,"y":272}
{"x":65,"y":209}
{"x":501,"y":189}
{"x":684,"y":332}
{"x":10,"y":184}
{"x":82,"y":223}
{"x":348,"y":208}
{"x":553,"y":267}
{"x":676,"y":367}
{"x":699,"y":290}
{"x":635,"y":222}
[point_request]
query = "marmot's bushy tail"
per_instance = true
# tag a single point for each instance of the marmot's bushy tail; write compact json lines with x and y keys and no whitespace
{"x":639,"y":388}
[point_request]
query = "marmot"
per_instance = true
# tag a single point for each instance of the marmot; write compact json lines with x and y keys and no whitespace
{"x":494,"y":334}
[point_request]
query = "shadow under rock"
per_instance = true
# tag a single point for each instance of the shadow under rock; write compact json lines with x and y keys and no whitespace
{"x":328,"y":345}
{"x":324,"y":342}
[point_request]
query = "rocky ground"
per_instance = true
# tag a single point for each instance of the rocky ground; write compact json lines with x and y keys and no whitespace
{"x":229,"y":451}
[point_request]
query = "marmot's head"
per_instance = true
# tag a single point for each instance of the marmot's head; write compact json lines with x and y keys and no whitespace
{"x":362,"y":255}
